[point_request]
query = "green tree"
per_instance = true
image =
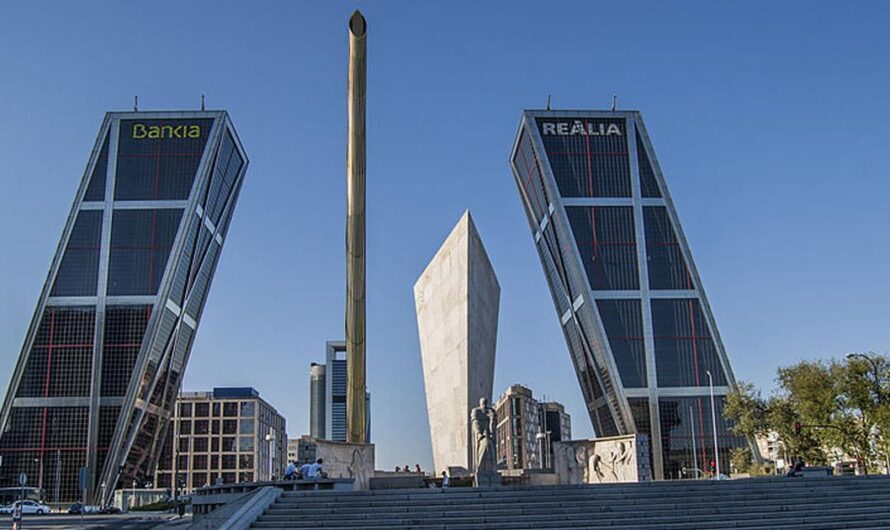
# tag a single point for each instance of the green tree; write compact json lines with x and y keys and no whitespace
{"x":742,"y":462}
{"x":747,"y":410}
{"x":740,"y":458}
{"x":840,"y":405}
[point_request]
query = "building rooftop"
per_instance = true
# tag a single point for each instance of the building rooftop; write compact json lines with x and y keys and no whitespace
{"x":235,"y":392}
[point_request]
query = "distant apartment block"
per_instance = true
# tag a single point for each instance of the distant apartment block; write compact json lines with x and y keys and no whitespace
{"x":527,"y":428}
{"x":222,"y":436}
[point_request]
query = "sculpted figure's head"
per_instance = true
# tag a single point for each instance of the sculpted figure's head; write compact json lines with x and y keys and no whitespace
{"x":483,"y":403}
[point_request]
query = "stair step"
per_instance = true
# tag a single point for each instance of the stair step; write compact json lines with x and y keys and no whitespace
{"x":593,"y":511}
{"x":754,"y":504}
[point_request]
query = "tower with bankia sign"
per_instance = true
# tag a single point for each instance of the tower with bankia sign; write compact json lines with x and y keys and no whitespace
{"x":630,"y":302}
{"x":103,"y":359}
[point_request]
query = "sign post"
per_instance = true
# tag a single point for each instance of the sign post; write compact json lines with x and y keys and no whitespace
{"x":17,"y":508}
{"x":23,"y":479}
{"x":83,"y":479}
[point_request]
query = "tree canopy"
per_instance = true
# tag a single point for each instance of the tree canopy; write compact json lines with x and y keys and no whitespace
{"x":841,"y":406}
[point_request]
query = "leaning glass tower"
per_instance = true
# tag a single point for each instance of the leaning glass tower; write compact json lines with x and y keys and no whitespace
{"x":103,"y":358}
{"x":638,"y":326}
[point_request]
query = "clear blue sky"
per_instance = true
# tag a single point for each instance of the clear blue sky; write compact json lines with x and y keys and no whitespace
{"x":768,"y":119}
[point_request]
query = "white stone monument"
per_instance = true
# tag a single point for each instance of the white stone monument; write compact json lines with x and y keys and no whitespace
{"x":603,"y":460}
{"x":457,"y":299}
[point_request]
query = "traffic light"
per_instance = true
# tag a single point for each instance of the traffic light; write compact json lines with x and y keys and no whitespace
{"x":797,"y":427}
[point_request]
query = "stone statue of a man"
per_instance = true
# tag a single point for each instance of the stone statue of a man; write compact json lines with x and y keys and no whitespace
{"x":484,"y":422}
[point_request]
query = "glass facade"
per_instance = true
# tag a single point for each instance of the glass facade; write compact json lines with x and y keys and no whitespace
{"x":623,"y":324}
{"x":79,"y":271}
{"x":684,"y":349}
{"x":158,"y":159}
{"x":634,"y":316}
{"x":667,"y":267}
{"x":687,"y":417}
{"x":141,"y":241}
{"x":337,"y":371}
{"x":607,"y":244}
{"x":587,"y":157}
{"x":104,"y":358}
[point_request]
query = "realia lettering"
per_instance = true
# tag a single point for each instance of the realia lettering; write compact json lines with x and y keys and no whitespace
{"x":578,"y":127}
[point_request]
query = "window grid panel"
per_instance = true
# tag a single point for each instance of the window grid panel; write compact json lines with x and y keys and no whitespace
{"x":623,"y":323}
{"x":59,"y":363}
{"x":586,"y":165}
{"x":161,"y":167}
{"x":684,"y":348}
{"x":124,"y":330}
{"x":78,"y":272}
{"x":607,"y":243}
{"x":667,"y":266}
{"x":648,"y":183}
{"x":51,"y":439}
{"x":96,"y":187}
{"x":526,"y":162}
{"x":687,"y":417}
{"x":141,"y":241}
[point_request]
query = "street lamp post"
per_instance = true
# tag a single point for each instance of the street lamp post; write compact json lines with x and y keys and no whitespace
{"x":548,"y":449}
{"x":271,"y":439}
{"x":714,"y":423}
{"x":119,"y":481}
{"x":876,"y":383}
{"x":175,"y":463}
{"x":694,"y":456}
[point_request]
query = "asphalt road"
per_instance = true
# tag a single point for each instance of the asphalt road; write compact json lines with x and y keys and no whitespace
{"x":87,"y":522}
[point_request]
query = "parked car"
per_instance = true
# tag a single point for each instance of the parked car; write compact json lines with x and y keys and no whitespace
{"x":111,"y":510}
{"x":84,"y":509}
{"x":28,"y":508}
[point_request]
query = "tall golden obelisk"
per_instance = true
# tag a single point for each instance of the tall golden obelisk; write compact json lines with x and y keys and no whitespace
{"x":355,"y":232}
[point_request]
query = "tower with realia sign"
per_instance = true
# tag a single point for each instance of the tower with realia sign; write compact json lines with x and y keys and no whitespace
{"x":640,"y":332}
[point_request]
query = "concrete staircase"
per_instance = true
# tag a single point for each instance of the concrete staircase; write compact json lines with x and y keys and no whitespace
{"x":818,"y":503}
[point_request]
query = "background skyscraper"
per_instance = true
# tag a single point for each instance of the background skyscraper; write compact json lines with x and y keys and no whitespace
{"x":102,"y":361}
{"x":632,"y":308}
{"x":327,"y":396}
{"x":556,"y":426}
{"x":317,"y":402}
{"x":335,"y":391}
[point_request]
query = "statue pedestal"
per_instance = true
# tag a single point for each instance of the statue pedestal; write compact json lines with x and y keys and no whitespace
{"x":486,"y":480}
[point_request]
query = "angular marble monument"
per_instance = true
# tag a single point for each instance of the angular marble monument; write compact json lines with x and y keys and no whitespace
{"x":457,"y":299}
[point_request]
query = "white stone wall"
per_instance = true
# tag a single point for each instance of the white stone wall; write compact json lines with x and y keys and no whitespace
{"x":602,"y":460}
{"x":347,"y":460}
{"x":457,"y":299}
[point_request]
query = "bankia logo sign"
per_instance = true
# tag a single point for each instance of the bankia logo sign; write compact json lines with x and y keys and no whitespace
{"x":141,"y":131}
